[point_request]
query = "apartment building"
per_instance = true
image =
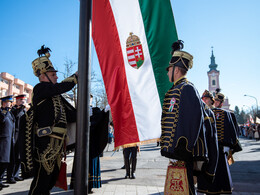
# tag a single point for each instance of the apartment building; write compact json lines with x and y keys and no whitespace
{"x":14,"y":86}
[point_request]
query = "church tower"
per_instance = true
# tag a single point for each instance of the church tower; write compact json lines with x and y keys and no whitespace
{"x":213,"y":75}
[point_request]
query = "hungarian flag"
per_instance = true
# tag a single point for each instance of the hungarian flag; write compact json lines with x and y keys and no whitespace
{"x":133,"y":41}
{"x":251,"y":119}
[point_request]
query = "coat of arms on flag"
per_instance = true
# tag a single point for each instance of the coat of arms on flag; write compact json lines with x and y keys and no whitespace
{"x":134,"y":51}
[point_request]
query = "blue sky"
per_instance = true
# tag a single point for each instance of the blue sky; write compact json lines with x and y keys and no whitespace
{"x":231,"y":27}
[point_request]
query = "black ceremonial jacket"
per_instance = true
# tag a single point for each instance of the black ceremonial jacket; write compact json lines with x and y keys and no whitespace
{"x":212,"y":141}
{"x":49,"y":104}
{"x":227,"y":135}
{"x":182,"y":120}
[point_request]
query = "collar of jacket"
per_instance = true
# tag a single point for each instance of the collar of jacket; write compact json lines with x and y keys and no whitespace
{"x":180,"y":80}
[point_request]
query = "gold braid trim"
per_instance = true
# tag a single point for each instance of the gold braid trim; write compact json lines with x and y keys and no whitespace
{"x":52,"y":154}
{"x":28,"y":140}
{"x":177,"y":93}
{"x":178,"y":163}
{"x":59,"y":109}
{"x":199,"y":143}
{"x":220,"y":124}
{"x":209,"y":174}
{"x":207,"y":118}
{"x":178,"y":143}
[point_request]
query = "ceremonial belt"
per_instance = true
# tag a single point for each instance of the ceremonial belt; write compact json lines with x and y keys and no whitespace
{"x":60,"y":131}
{"x":54,"y":132}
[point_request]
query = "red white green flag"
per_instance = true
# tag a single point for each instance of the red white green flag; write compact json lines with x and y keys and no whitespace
{"x":133,"y":41}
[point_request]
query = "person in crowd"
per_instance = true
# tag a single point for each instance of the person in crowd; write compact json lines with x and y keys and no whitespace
{"x":50,"y":118}
{"x":110,"y":134}
{"x":228,"y":144}
{"x":130,"y":158}
{"x":7,"y":129}
{"x":182,"y":121}
{"x":18,"y":111}
{"x":206,"y":176}
{"x":251,"y":132}
{"x":99,"y":120}
{"x":257,"y":132}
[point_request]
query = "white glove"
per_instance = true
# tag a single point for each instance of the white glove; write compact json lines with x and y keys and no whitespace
{"x":107,"y":108}
{"x":173,"y":160}
{"x":226,"y":149}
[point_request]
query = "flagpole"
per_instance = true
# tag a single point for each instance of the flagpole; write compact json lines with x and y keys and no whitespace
{"x":83,"y":130}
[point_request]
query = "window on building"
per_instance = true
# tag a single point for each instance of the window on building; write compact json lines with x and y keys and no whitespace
{"x":213,"y":82}
{"x":3,"y":93}
{"x":4,"y":81}
{"x":16,"y":86}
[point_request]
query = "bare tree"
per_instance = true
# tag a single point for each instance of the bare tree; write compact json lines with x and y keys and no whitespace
{"x":69,"y":70}
{"x":97,"y":88}
{"x":98,"y":91}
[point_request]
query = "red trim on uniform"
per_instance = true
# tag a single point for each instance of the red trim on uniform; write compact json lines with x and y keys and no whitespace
{"x":109,"y":52}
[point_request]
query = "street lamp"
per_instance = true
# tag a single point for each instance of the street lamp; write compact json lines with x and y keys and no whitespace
{"x":256,"y":104}
{"x":255,"y":100}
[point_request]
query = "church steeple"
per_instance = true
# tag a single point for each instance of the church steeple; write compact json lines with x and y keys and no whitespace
{"x":213,"y":65}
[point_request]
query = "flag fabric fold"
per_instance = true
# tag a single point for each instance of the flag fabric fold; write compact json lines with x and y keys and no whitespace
{"x":133,"y":42}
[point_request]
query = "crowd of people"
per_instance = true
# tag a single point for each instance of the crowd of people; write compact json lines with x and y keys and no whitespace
{"x":10,"y":139}
{"x":251,"y":131}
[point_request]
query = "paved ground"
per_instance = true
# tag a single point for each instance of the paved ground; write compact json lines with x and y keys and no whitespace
{"x":151,"y":171}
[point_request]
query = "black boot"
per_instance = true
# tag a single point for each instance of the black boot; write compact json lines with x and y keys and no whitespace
{"x":127,"y":168}
{"x":134,"y":160}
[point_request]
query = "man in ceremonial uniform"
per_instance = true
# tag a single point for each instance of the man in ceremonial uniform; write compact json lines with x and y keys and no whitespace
{"x":50,"y":116}
{"x":227,"y":142}
{"x":7,"y":128}
{"x":18,"y":111}
{"x":183,"y":136}
{"x":205,"y":179}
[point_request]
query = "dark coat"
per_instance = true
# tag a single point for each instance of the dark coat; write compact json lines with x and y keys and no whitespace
{"x":45,"y":105}
{"x":207,"y":174}
{"x":48,"y":108}
{"x":18,"y":113}
{"x":226,"y":130}
{"x":227,"y":136}
{"x":7,"y":128}
{"x":212,"y":141}
{"x":98,"y":132}
{"x":182,"y":121}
